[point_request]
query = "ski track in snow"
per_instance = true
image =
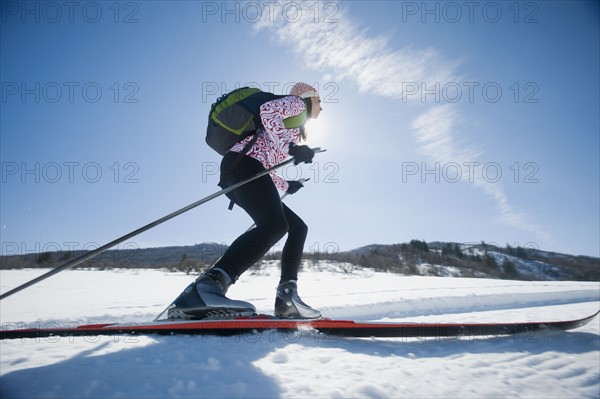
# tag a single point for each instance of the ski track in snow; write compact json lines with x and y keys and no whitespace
{"x":302,"y":364}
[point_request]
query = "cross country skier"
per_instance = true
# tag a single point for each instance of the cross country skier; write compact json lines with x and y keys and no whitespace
{"x":205,"y":297}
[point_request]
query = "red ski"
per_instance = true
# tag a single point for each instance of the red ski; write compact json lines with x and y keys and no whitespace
{"x":261,"y":323}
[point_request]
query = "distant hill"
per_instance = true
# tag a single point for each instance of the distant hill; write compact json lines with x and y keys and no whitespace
{"x":197,"y":256}
{"x":473,"y":260}
{"x":413,"y":258}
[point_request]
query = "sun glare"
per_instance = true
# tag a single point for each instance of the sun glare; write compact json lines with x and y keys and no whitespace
{"x":314,"y":129}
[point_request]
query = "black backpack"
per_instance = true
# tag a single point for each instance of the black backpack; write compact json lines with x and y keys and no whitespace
{"x":236,"y":115}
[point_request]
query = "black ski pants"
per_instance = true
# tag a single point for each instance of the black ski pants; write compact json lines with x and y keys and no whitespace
{"x":260,"y":199}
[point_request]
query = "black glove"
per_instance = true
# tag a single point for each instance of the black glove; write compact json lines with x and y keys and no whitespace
{"x":294,"y":186}
{"x":301,"y":153}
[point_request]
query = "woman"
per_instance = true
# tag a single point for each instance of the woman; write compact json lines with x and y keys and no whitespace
{"x":205,"y":297}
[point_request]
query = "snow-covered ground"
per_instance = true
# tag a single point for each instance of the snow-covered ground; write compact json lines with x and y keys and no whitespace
{"x":544,"y":365}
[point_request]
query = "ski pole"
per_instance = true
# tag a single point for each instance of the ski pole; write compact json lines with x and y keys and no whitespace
{"x":219,"y":258}
{"x":134,"y":233}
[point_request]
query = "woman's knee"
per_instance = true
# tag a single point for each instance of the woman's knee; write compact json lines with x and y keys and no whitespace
{"x":298,"y":228}
{"x":277,"y":227}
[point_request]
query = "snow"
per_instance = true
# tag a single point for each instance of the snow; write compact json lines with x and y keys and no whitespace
{"x":303,"y":364}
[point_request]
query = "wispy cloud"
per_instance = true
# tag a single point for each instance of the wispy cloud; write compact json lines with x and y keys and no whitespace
{"x":345,"y":51}
{"x":434,"y":131}
{"x":340,"y":48}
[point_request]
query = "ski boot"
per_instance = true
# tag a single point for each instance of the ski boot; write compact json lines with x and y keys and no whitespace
{"x":288,"y":304}
{"x":205,"y":299}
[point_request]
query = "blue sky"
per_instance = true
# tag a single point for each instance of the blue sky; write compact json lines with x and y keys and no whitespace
{"x":442,"y":121}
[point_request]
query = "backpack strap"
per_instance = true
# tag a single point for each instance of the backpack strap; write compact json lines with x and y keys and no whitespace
{"x":239,"y":158}
{"x":296,"y":121}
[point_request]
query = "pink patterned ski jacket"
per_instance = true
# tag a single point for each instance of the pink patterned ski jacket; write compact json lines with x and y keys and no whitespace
{"x":272,"y":145}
